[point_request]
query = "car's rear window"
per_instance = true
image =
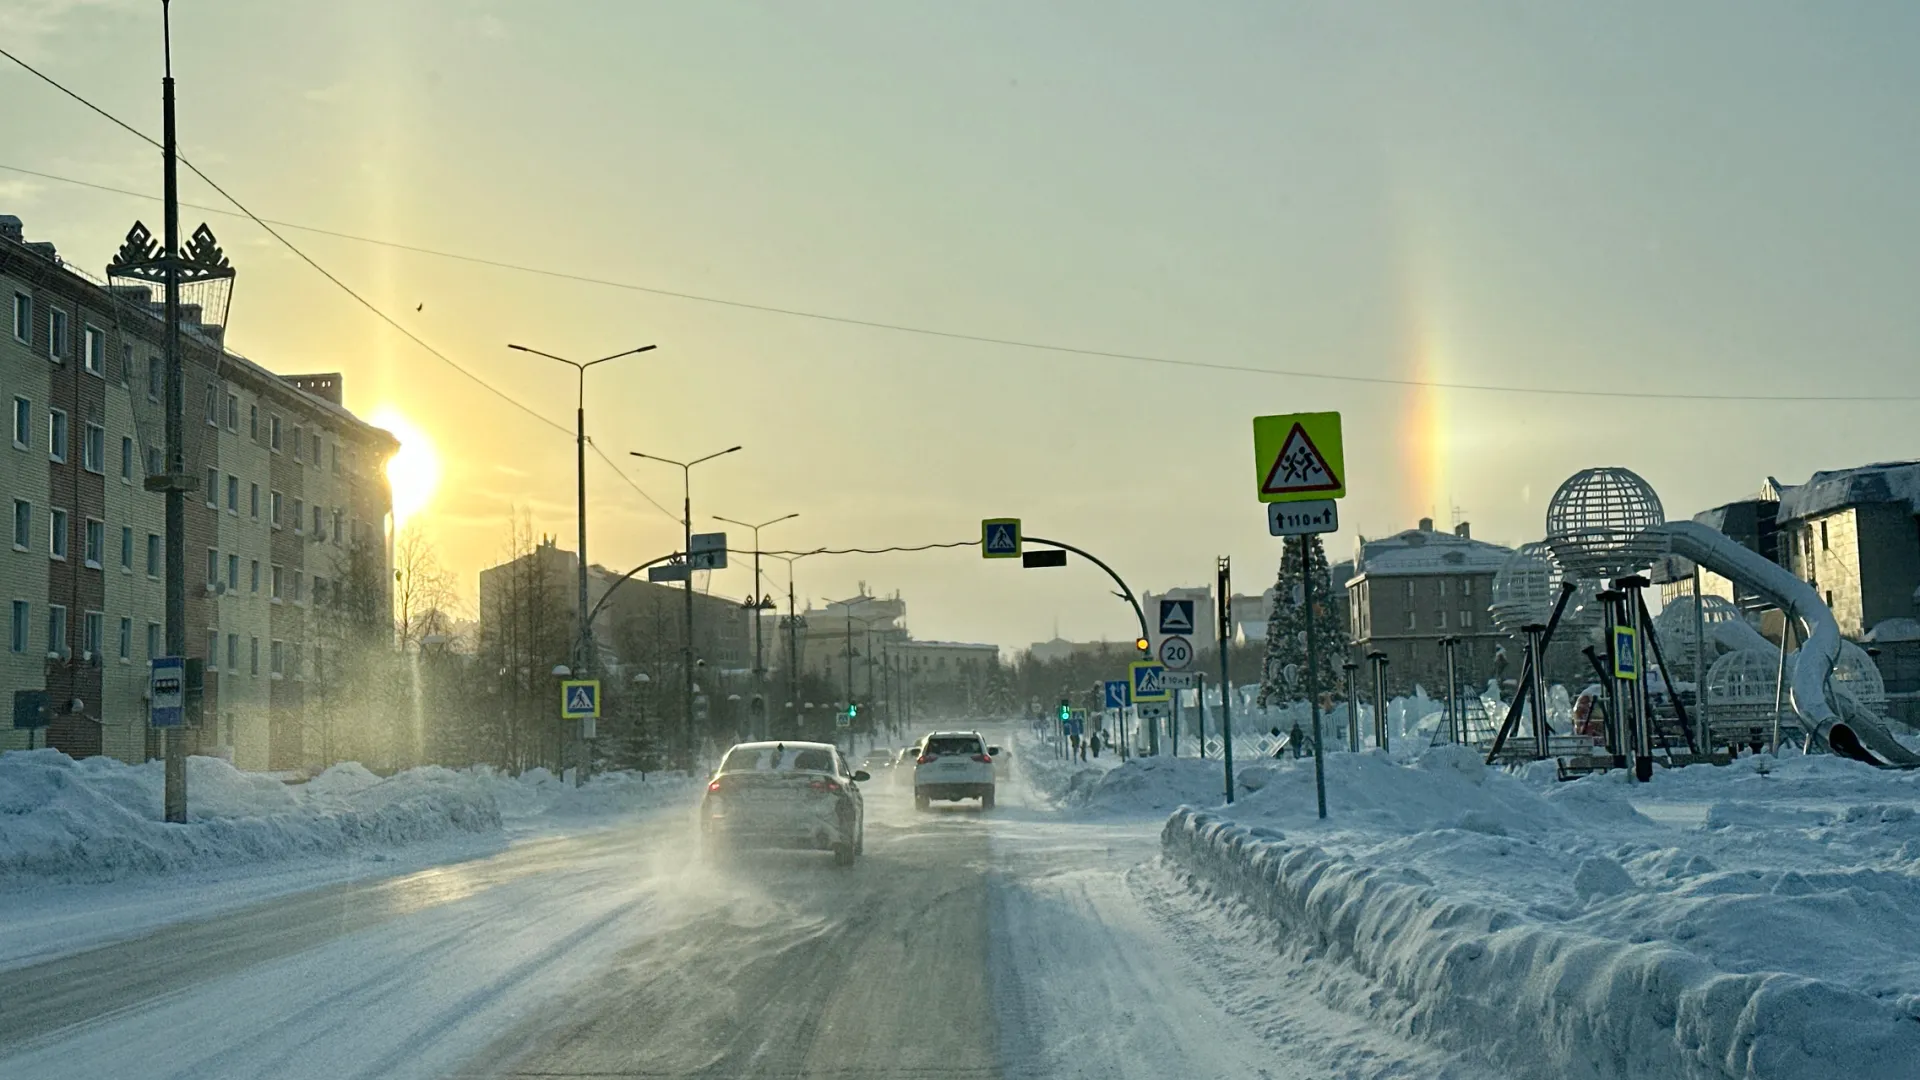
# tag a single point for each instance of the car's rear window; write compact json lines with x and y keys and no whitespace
{"x":763,"y":759}
{"x":954,"y":744}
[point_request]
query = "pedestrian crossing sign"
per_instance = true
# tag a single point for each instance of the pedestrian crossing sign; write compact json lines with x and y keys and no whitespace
{"x":579,"y":699}
{"x":1149,"y":681}
{"x":1000,"y":538}
{"x":1298,"y":456}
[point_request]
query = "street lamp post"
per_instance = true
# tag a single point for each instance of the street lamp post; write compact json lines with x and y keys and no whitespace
{"x":686,"y":525}
{"x":583,"y":659}
{"x":757,"y":603}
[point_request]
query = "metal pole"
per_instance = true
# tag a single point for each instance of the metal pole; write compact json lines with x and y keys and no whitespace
{"x":1380,"y":737}
{"x":1536,"y":689}
{"x":1174,"y":726}
{"x":686,"y":646}
{"x":793,"y":656}
{"x":759,"y":649}
{"x":1224,"y":583}
{"x":174,"y":739}
{"x":1313,"y":676}
{"x":583,"y":662}
{"x":1353,"y":704}
{"x":1642,"y":722}
{"x":1780,"y":679}
{"x":1705,"y":739}
{"x":1453,"y":692}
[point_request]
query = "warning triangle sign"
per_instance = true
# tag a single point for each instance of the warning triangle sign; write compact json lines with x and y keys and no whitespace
{"x":580,"y":699}
{"x":1300,"y":466}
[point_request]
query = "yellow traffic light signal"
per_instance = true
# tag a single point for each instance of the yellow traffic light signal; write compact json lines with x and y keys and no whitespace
{"x":1143,"y":645}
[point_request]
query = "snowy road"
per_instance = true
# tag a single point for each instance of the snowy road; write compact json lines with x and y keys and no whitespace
{"x":1020,"y":943}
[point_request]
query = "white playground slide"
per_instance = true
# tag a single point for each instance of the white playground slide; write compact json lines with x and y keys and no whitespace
{"x":1842,"y":724}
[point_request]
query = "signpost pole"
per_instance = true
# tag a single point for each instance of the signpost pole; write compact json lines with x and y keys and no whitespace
{"x":1175,"y":724}
{"x":1224,"y":605}
{"x":1313,"y":677}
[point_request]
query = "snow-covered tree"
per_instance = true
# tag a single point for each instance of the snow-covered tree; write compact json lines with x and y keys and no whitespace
{"x":1285,"y":677}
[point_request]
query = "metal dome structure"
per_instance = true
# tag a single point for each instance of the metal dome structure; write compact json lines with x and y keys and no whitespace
{"x":1523,"y":588}
{"x":1740,"y":686}
{"x":1854,"y":674}
{"x":1597,"y":521}
{"x":1675,"y":628}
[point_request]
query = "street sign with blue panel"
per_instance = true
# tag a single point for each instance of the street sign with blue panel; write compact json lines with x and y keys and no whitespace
{"x":1149,"y":680}
{"x":1626,"y":659}
{"x":1000,"y":538}
{"x":1115,"y":693}
{"x":1176,"y":616}
{"x":167,"y":692}
{"x":579,"y":699}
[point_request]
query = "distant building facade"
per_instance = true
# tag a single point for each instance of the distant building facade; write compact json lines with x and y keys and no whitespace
{"x":292,"y":488}
{"x":1409,"y":590}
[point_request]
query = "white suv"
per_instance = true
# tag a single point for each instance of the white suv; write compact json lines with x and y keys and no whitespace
{"x":953,"y":765}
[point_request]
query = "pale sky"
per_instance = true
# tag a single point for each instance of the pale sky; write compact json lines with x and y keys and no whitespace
{"x":1703,"y":198}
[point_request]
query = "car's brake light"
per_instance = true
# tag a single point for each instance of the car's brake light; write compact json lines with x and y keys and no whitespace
{"x":988,"y":758}
{"x":714,"y":786}
{"x":825,"y":785}
{"x":924,"y":758}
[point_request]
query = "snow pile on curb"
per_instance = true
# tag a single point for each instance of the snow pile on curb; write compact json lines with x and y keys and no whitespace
{"x":99,"y":819}
{"x":1555,"y":930}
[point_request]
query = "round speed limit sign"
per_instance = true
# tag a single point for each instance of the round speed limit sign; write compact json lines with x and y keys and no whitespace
{"x":1177,"y":653}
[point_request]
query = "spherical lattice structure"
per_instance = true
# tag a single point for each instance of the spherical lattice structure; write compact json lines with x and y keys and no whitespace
{"x":1675,"y":627}
{"x":1854,"y":674}
{"x":1523,"y":588}
{"x":1741,"y":685}
{"x":1597,"y":521}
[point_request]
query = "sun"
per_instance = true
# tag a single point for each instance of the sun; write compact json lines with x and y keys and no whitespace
{"x":413,"y":472}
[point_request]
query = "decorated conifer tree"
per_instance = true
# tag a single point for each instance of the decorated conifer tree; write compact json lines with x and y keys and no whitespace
{"x":1284,"y":677}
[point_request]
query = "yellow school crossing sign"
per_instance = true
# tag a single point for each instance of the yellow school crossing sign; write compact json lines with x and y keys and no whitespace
{"x":1298,"y":456}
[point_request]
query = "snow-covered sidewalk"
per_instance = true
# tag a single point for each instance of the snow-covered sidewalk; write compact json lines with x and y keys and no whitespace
{"x":1755,"y":920}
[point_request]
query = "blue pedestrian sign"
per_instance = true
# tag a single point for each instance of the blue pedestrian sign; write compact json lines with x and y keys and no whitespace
{"x":1116,"y":693}
{"x":1000,"y":538}
{"x":167,"y":692}
{"x":1176,"y":616}
{"x":579,"y":699}
{"x":1149,"y":681}
{"x":1626,"y":657}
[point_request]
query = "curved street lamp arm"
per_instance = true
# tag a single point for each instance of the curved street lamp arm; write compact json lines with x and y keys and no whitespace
{"x":624,"y":578}
{"x":1125,"y":593}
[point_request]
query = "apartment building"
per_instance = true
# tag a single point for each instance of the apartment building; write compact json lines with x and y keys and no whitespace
{"x":291,"y":486}
{"x":1854,"y":535}
{"x":1411,"y":589}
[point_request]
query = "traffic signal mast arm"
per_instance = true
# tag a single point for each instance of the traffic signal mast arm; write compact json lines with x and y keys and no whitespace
{"x":1125,"y":593}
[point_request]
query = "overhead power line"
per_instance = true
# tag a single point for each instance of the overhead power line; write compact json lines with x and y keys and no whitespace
{"x":323,"y":272}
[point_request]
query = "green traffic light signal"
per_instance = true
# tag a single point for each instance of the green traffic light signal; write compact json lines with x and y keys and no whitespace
{"x":853,"y":710}
{"x":1065,"y":712}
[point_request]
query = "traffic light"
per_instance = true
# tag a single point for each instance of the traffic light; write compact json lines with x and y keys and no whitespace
{"x":853,"y":710}
{"x":1066,"y":711}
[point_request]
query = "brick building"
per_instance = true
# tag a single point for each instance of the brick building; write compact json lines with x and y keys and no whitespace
{"x":292,"y":486}
{"x":1410,"y":590}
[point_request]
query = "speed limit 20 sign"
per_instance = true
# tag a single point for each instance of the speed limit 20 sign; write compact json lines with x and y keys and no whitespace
{"x":1176,"y":652}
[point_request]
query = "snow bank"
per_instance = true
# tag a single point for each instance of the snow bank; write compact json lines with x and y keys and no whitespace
{"x":99,"y":819}
{"x":1555,"y":929}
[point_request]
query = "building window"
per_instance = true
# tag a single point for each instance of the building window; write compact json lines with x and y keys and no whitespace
{"x":126,"y":548}
{"x":336,"y":463}
{"x":275,"y":593}
{"x":213,"y":648}
{"x":1466,"y":619}
{"x":22,"y":422}
{"x":213,"y":405}
{"x":126,"y":639}
{"x":17,"y":629}
{"x":1466,"y":588}
{"x":336,"y":525}
{"x":253,"y":576}
{"x":156,"y":378}
{"x":233,"y":573}
{"x":273,"y":433}
{"x":23,"y":317}
{"x":57,"y":435}
{"x":253,"y":656}
{"x":299,"y":512}
{"x":253,"y":422}
{"x":233,"y":495}
{"x":213,"y":489}
{"x":56,"y":333}
{"x":1412,"y":621}
{"x":273,"y":509}
{"x":1443,"y":588}
{"x":57,"y":630}
{"x":316,"y":449}
{"x":319,"y":524}
{"x":96,"y":543}
{"x":153,"y":640}
{"x":96,"y":351}
{"x":1823,"y":536}
{"x":213,"y":568}
{"x":299,"y":446}
{"x":153,"y":555}
{"x":22,"y":524}
{"x":1829,"y":599}
{"x":233,"y":412}
{"x":154,"y":465}
{"x":319,"y":590}
{"x":57,"y":533}
{"x":93,"y":631}
{"x":93,"y":449}
{"x":126,"y":362}
{"x":298,"y":660}
{"x":299,"y":586}
{"x":1441,"y":616}
{"x":233,"y":653}
{"x":275,"y":663}
{"x":126,"y":459}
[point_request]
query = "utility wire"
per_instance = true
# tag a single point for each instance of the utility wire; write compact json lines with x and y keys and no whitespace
{"x":985,"y":339}
{"x":324,"y":272}
{"x":869,"y":551}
